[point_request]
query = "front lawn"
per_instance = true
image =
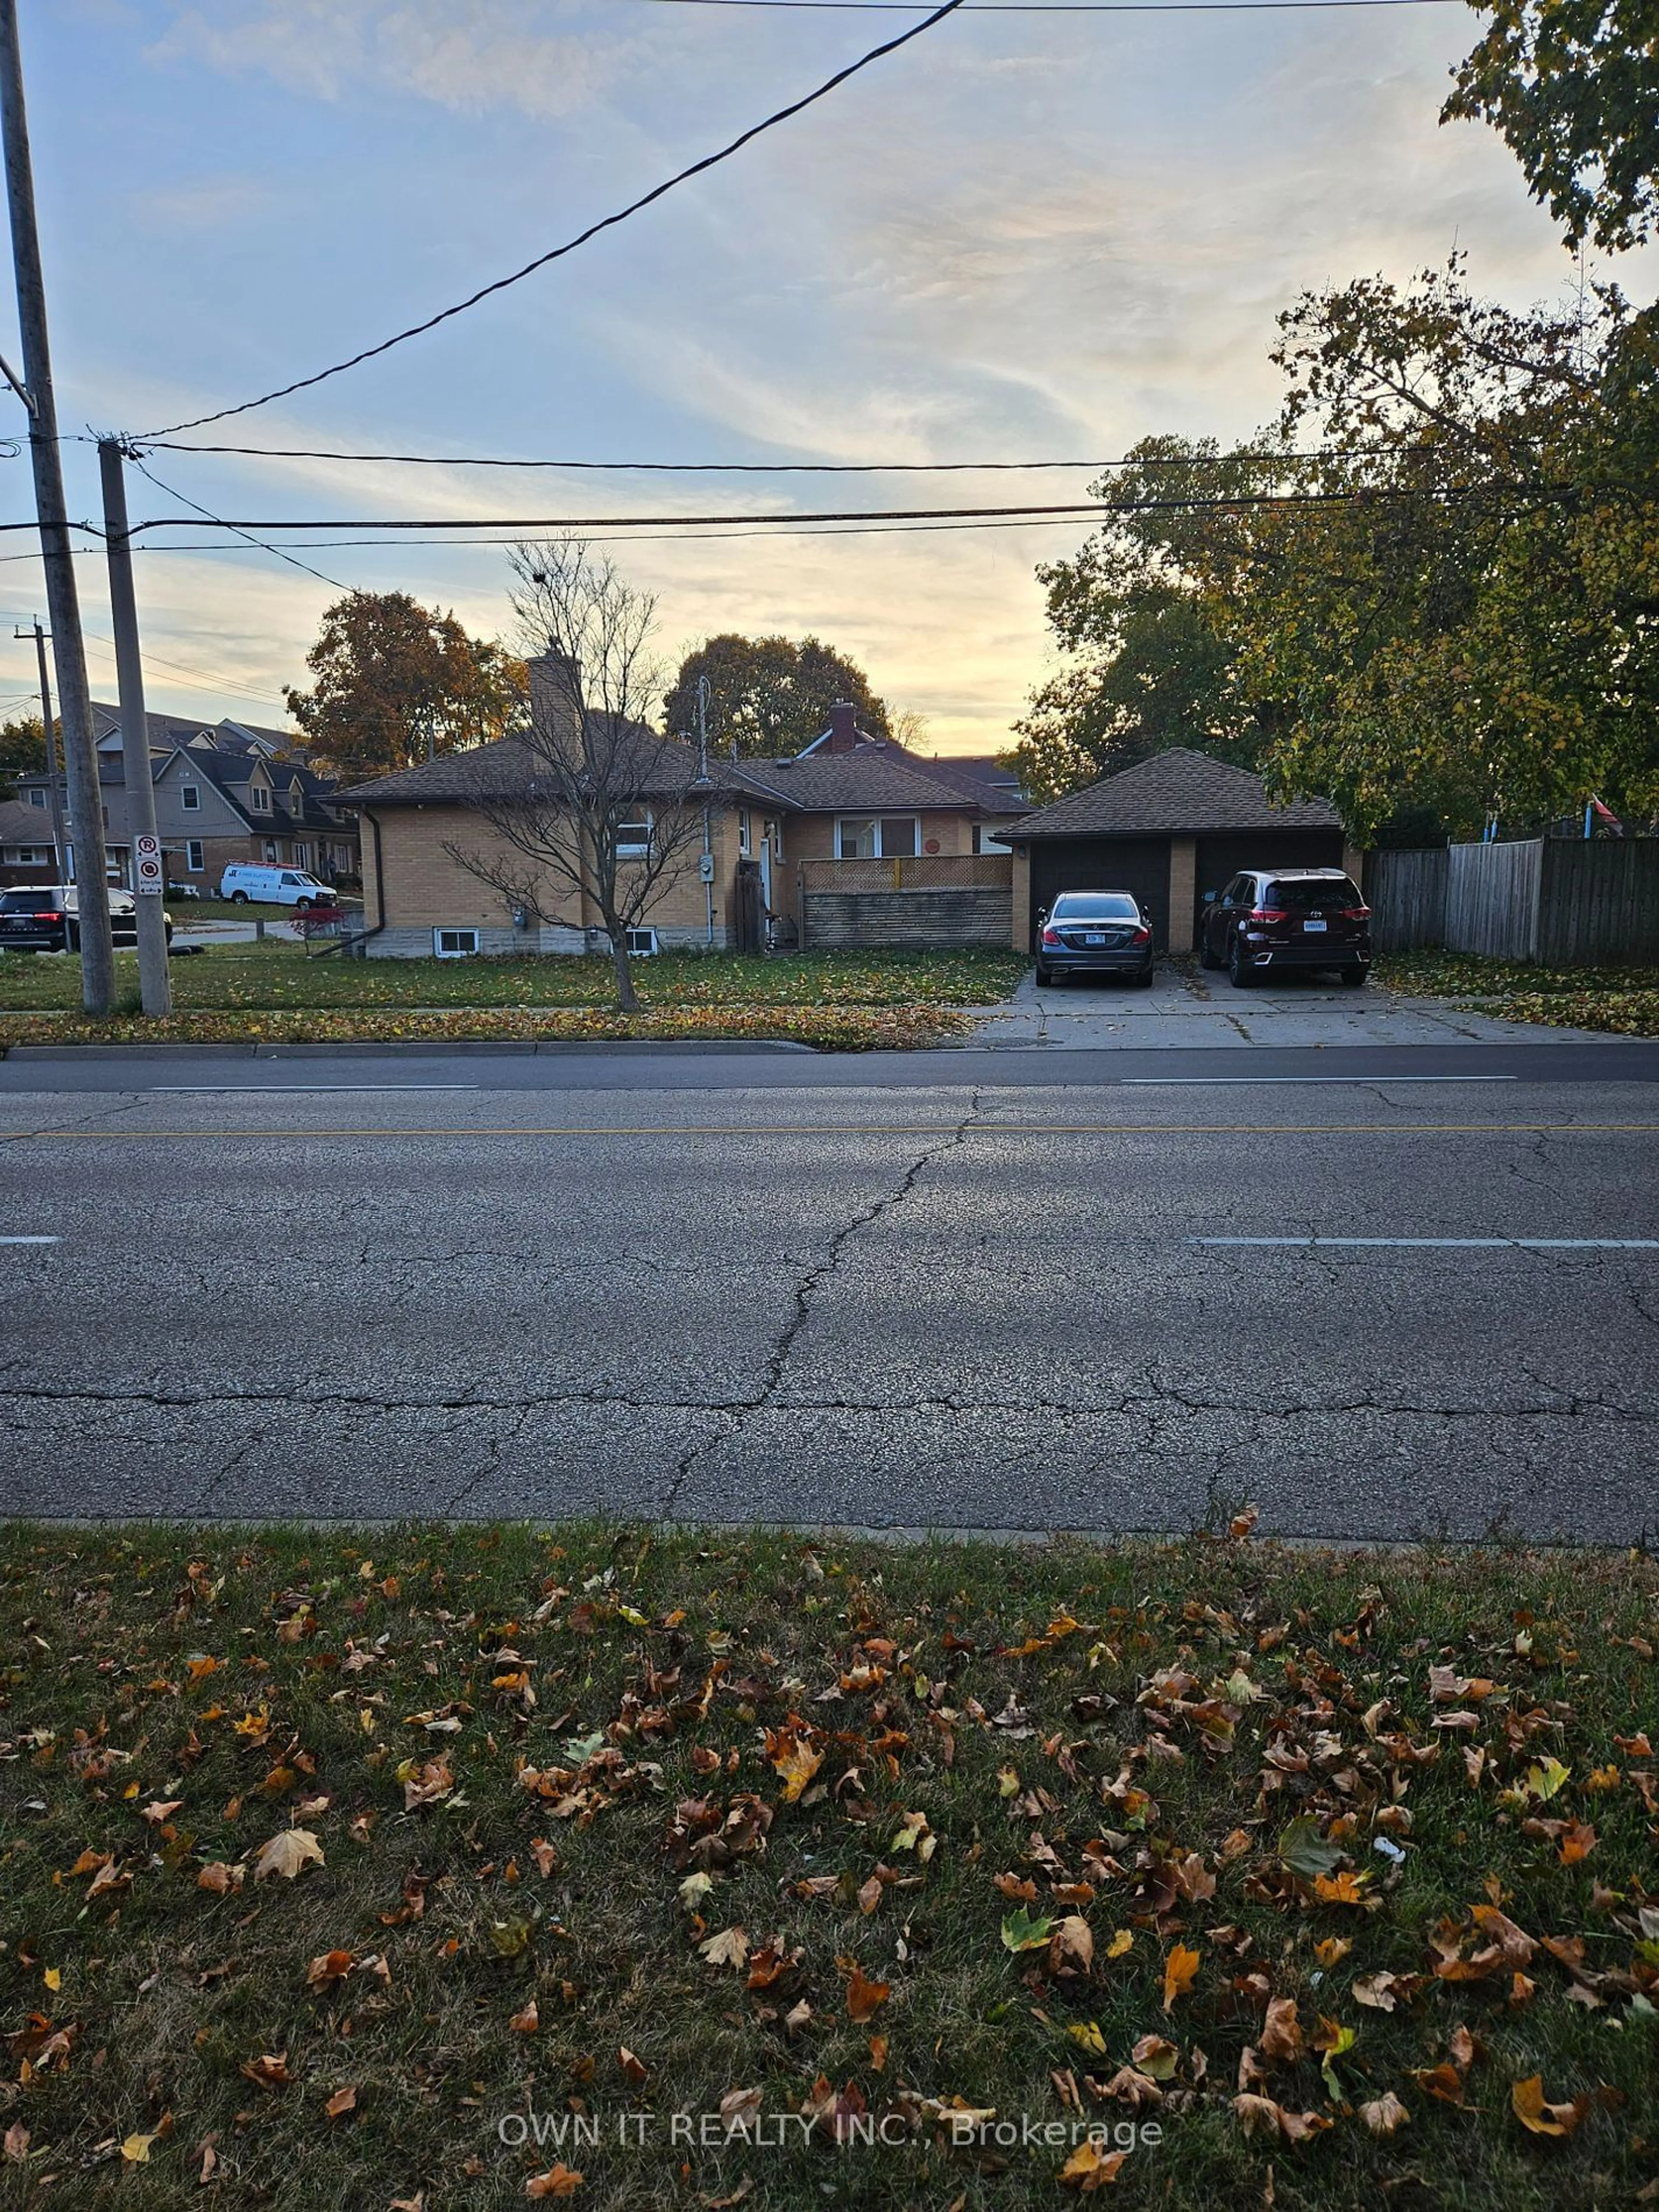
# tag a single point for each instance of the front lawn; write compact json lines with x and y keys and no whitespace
{"x":1624,"y":1000}
{"x":842,"y":1000}
{"x":340,"y":1866}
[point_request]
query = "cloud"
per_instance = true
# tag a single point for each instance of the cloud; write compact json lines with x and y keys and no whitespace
{"x":203,"y":203}
{"x":467,"y":55}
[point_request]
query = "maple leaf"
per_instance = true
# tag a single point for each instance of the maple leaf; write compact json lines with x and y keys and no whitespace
{"x":1089,"y":2167}
{"x":288,"y":1853}
{"x":1180,"y":1970}
{"x":328,"y":1966}
{"x":729,"y":1948}
{"x":1345,"y":1889}
{"x":1025,"y":1931}
{"x":1072,"y":1946}
{"x":559,"y":2180}
{"x":1385,"y":2114}
{"x":864,"y":1996}
{"x":1305,"y":1850}
{"x":794,"y":1760}
{"x":1087,"y":2034}
{"x":1155,"y":2057}
{"x":1281,"y":2035}
{"x":1539,"y":2118}
{"x":269,"y":2071}
{"x":1577,"y":1842}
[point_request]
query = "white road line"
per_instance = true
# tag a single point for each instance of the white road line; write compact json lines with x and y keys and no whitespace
{"x":30,"y":1240}
{"x":1450,"y":1243}
{"x":294,"y":1090}
{"x":1211,"y":1081}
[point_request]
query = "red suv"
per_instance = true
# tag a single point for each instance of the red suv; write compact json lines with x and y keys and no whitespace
{"x":1273,"y":918}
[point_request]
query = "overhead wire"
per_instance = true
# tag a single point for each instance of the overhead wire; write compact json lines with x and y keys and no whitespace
{"x":219,"y":522}
{"x":731,"y":468}
{"x":606,"y":223}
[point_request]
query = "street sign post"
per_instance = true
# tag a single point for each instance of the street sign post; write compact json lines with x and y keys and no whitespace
{"x":147,"y":871}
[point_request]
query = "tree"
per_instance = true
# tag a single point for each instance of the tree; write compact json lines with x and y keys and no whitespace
{"x":1573,"y":85}
{"x":1148,"y":656}
{"x":397,"y":681}
{"x":22,"y":752}
{"x":769,"y":695}
{"x":587,"y":802}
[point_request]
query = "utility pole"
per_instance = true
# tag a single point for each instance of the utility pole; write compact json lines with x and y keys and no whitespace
{"x":154,"y":984}
{"x":54,"y":785}
{"x":86,"y":805}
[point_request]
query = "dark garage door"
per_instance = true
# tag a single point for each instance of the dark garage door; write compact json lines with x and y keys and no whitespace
{"x":1140,"y":865}
{"x":1220,"y":859}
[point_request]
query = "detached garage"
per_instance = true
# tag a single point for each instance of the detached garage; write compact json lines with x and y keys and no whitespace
{"x":1171,"y":830}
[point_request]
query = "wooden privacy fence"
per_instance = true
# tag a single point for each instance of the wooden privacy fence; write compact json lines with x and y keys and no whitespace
{"x":1566,"y":901}
{"x":940,"y":900}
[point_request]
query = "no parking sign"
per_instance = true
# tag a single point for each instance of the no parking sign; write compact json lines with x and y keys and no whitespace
{"x":147,"y":870}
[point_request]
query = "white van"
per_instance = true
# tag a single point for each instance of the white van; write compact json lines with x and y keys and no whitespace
{"x":270,"y":886}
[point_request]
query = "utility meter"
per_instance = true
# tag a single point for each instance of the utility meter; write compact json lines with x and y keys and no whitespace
{"x":706,"y":868}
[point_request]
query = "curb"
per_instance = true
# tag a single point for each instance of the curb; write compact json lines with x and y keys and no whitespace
{"x":409,"y":1048}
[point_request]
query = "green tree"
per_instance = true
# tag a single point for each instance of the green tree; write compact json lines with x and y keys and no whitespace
{"x":772,"y":694}
{"x":1145,"y":635}
{"x":1573,"y":85}
{"x":396,"y":682}
{"x":23,"y":750}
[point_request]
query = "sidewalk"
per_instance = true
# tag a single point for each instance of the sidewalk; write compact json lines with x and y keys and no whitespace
{"x":1205,"y":1011}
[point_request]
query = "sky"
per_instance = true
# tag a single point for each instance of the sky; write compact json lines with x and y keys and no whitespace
{"x":1023,"y":237}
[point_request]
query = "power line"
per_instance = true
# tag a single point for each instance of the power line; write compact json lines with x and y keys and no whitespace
{"x":333,"y":582}
{"x":746,"y":468}
{"x":787,"y":522}
{"x":606,"y":223}
{"x":1075,"y":6}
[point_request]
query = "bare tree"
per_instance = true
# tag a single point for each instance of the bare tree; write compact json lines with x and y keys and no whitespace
{"x":590,"y":808}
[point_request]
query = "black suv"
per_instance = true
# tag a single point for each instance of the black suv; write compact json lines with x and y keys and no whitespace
{"x":41,"y":918}
{"x":1276,"y":918}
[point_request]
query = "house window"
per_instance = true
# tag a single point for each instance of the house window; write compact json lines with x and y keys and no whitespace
{"x":878,"y":836}
{"x":26,"y":857}
{"x":190,"y":798}
{"x":302,"y":855}
{"x":194,"y":858}
{"x":36,"y":798}
{"x":641,"y":943}
{"x":743,"y":831}
{"x":296,"y":801}
{"x":454,"y":944}
{"x":259,"y":798}
{"x":985,"y":842}
{"x":271,"y":848}
{"x":633,"y":839}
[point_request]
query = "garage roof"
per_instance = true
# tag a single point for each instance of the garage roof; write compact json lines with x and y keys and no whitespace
{"x":1179,"y":794}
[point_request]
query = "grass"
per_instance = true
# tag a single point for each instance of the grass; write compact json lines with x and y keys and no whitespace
{"x":1622,"y":1000}
{"x":841,"y":1001}
{"x":611,"y":1823}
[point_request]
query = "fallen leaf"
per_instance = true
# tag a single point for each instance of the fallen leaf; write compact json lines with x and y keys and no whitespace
{"x":1122,"y":1941}
{"x":633,"y":2069}
{"x":795,"y":1760}
{"x":288,"y":1853}
{"x":1281,"y":2034}
{"x":526,"y":2022}
{"x":1376,"y":1990}
{"x":15,"y":2142}
{"x":1540,"y":2117}
{"x":1087,"y":2035}
{"x":1385,"y":2114}
{"x":341,"y":2102}
{"x":1025,"y":1931}
{"x":136,"y":2149}
{"x":328,"y":1966}
{"x":559,"y":2180}
{"x":1089,"y":2167}
{"x":1180,"y":1970}
{"x":1072,"y":1946}
{"x":729,"y":1948}
{"x":1155,"y":2057}
{"x":269,"y":2071}
{"x":864,"y":1996}
{"x":1305,"y":1850}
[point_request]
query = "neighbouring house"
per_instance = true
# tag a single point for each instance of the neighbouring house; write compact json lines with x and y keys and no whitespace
{"x":1172,"y":830}
{"x":26,"y":852}
{"x":225,"y":791}
{"x":855,"y":840}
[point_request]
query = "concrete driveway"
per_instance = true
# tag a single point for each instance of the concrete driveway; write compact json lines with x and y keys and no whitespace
{"x":1201,"y":1009}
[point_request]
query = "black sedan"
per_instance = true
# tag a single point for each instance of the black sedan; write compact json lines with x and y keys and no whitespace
{"x":1102,"y":933}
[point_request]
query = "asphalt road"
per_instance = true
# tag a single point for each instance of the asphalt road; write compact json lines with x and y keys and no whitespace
{"x":956,"y":1290}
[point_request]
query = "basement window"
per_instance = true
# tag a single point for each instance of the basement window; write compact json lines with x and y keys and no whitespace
{"x":641,"y":943}
{"x":454,"y":944}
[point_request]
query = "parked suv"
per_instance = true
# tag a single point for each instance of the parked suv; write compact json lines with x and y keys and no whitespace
{"x":272,"y":886}
{"x":1267,"y":919}
{"x":41,"y":918}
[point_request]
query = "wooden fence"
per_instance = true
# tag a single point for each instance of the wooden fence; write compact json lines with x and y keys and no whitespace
{"x":1566,"y":901}
{"x":923,"y":871}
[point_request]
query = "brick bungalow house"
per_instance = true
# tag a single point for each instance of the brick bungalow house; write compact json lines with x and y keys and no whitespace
{"x":850,"y":809}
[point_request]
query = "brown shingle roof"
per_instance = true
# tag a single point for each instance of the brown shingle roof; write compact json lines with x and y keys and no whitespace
{"x":868,"y":781}
{"x":505,"y":768}
{"x":1177,"y":793}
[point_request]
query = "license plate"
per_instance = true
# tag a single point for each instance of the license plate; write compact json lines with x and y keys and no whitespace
{"x":1094,"y":940}
{"x":1313,"y":927}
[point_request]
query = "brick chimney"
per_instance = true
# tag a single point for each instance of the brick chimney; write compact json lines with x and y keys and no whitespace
{"x":843,"y":727}
{"x":555,"y":692}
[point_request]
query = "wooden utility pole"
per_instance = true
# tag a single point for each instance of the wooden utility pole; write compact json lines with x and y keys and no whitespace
{"x":54,"y":774}
{"x":148,"y":875}
{"x":86,"y":803}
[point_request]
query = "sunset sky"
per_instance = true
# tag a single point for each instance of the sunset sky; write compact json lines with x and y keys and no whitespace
{"x":1020,"y":238}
